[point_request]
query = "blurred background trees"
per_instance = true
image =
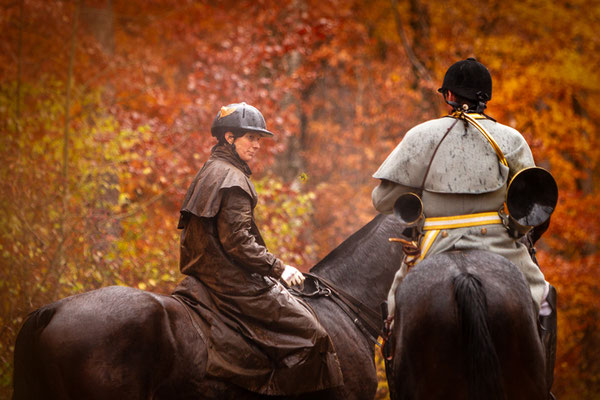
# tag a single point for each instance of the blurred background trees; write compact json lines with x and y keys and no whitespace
{"x":105,"y":109}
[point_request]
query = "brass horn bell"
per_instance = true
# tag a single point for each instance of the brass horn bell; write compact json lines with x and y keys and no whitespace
{"x":408,"y":208}
{"x":530,"y":199}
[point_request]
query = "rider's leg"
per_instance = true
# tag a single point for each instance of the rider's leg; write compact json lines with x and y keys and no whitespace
{"x":547,"y":315}
{"x":391,"y":299}
{"x":548,"y":328}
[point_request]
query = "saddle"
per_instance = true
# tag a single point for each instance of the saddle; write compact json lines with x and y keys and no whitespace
{"x":256,"y":342}
{"x":220,"y":334}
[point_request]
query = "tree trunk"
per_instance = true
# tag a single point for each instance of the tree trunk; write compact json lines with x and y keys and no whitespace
{"x":418,"y":52}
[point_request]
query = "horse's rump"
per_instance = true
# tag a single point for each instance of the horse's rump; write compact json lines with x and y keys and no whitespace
{"x":466,"y":321}
{"x":26,"y":353}
{"x":90,"y":341}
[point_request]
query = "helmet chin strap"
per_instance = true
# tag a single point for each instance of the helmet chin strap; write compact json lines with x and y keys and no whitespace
{"x":480,"y":107}
{"x":232,"y":144}
{"x":453,"y":104}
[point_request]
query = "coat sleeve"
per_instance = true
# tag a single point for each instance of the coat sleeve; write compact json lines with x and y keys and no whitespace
{"x":520,"y":156}
{"x":234,"y":225}
{"x":386,"y":193}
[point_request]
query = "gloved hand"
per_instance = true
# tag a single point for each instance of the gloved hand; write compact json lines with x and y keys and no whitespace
{"x":291,"y":276}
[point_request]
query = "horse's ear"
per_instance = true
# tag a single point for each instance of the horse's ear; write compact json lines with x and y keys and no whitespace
{"x":408,"y":208}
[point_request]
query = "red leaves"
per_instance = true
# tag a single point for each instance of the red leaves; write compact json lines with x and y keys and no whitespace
{"x":334,"y":83}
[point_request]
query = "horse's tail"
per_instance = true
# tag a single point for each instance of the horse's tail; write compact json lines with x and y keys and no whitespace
{"x":28,"y":375}
{"x":484,"y":374}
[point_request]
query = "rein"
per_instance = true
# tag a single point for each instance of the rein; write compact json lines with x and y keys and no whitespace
{"x":360,"y":314}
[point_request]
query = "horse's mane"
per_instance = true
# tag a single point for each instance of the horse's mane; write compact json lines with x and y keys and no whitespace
{"x":349,"y":245}
{"x":365,"y":263}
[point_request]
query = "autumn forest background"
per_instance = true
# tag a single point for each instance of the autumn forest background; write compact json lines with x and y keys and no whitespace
{"x":106,"y":106}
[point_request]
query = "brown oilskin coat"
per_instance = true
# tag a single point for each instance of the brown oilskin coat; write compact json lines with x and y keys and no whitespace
{"x":258,"y":336}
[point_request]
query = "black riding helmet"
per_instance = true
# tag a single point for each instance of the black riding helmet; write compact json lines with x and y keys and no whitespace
{"x":239,"y":118}
{"x":469,"y":79}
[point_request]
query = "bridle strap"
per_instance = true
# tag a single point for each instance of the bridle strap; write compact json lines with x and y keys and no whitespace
{"x":362,"y":316}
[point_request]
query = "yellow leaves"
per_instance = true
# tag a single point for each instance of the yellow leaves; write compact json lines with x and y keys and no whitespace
{"x":350,"y":95}
{"x":282,"y":214}
{"x":124,"y":198}
{"x":97,"y":276}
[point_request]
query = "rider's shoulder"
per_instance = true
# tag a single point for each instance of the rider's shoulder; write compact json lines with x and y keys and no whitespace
{"x":219,"y":166}
{"x":504,"y":133}
{"x":433,"y":127}
{"x":227,"y":175}
{"x":437,"y":123}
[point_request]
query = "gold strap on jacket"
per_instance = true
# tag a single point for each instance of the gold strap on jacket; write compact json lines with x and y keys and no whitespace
{"x":471,"y":119}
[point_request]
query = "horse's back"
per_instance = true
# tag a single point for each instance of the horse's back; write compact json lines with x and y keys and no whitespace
{"x":114,"y":342}
{"x":461,"y":314}
{"x":120,"y":342}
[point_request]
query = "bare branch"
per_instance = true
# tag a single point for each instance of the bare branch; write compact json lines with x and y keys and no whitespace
{"x":66,"y":132}
{"x":418,"y":68}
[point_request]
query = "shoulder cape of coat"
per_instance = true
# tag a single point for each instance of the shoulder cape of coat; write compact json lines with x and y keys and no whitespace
{"x":203,"y":198}
{"x":465,"y":161}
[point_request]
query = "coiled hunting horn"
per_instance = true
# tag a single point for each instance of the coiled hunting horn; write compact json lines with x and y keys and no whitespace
{"x":408,"y":208}
{"x":531,"y":198}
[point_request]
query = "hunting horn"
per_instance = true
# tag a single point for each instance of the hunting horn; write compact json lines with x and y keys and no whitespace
{"x":408,"y":208}
{"x":530,"y":199}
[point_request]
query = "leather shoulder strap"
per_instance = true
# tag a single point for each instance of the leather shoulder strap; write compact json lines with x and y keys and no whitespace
{"x":469,"y":118}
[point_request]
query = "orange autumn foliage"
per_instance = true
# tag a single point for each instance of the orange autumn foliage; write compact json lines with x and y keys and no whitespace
{"x":340,"y":82}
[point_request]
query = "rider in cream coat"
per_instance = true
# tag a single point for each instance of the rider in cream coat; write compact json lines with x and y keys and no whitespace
{"x":460,"y":179}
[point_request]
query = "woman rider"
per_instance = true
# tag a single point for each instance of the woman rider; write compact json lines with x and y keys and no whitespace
{"x":284,"y":349}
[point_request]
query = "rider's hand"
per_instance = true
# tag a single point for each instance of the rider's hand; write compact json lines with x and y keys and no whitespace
{"x":291,"y":276}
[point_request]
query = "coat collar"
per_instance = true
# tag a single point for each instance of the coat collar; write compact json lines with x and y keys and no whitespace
{"x":227,"y":152}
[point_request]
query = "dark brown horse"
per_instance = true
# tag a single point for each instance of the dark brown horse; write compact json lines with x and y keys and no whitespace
{"x":123,"y":343}
{"x":466,"y":328}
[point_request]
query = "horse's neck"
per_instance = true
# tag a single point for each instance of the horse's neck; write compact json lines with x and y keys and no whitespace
{"x":364,"y":264}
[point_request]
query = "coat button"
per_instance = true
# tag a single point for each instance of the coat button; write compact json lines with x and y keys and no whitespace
{"x":483,"y":231}
{"x":444,"y":234}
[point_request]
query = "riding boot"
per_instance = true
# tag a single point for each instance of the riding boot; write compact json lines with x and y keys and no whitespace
{"x":548,"y":326}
